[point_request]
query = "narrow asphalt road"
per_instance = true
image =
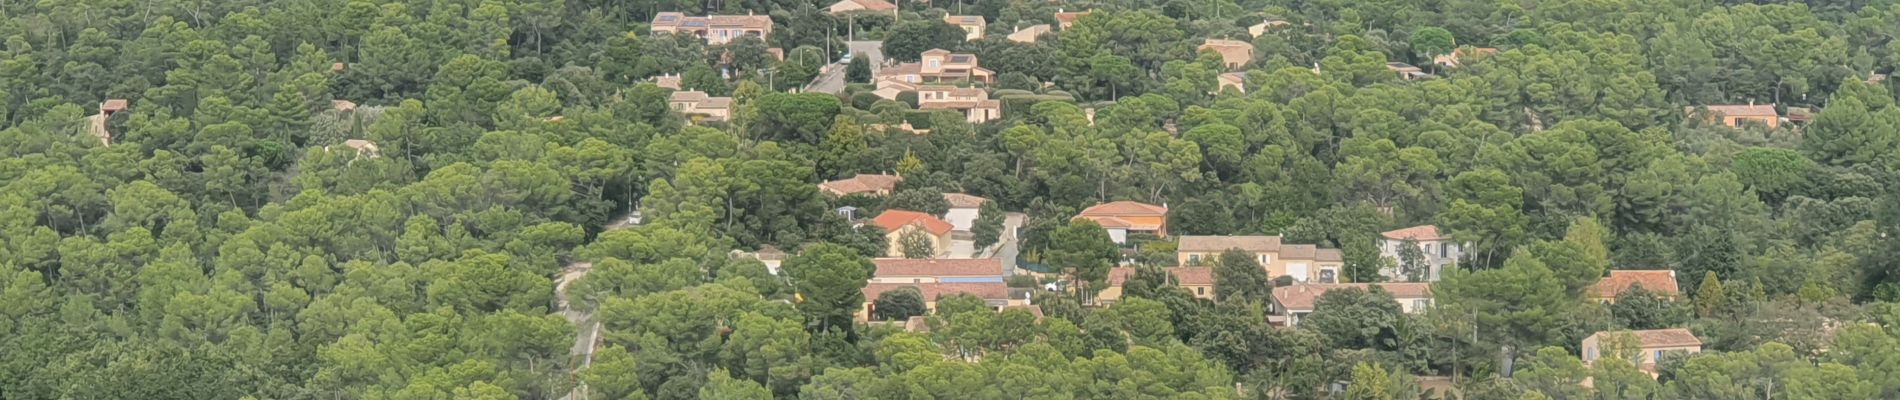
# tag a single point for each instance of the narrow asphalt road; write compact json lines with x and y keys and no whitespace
{"x":832,"y":79}
{"x":587,"y":329}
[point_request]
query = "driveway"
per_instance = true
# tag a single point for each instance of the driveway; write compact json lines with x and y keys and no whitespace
{"x":587,"y":330}
{"x":1010,"y":243}
{"x":831,"y":80}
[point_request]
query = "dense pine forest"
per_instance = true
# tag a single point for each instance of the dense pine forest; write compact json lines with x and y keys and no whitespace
{"x":380,"y":199}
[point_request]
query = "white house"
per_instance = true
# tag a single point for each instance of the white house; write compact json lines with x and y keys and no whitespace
{"x":1439,"y":250}
{"x":963,"y":210}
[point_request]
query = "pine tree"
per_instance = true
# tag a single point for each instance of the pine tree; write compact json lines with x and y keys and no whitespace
{"x":1708,"y":297}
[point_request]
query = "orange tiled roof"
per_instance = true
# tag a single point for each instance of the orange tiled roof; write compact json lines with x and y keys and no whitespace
{"x":888,"y":267}
{"x":873,"y":5}
{"x":1125,"y":208}
{"x":1673,"y":337}
{"x":1421,"y":232}
{"x":1302,"y":296}
{"x":1224,"y":243}
{"x":1662,"y":282}
{"x":1741,"y":110}
{"x":892,"y":220}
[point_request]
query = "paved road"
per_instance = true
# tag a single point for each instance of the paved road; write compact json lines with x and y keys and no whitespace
{"x":832,"y":79}
{"x":587,"y":328}
{"x":1010,"y":244}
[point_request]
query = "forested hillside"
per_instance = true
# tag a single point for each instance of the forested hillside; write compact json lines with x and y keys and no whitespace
{"x":376,"y":199}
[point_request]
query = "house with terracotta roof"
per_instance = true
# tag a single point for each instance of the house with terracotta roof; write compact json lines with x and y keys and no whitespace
{"x":1660,"y":282}
{"x":864,"y":184}
{"x":111,"y":106}
{"x":715,"y":29}
{"x":1197,"y":280}
{"x":669,"y":81}
{"x":1650,"y":345}
{"x":972,"y":25}
{"x":850,"y":6}
{"x":1232,"y":80}
{"x":1738,"y":115}
{"x":1439,"y":250}
{"x":697,"y":103}
{"x":1302,"y":262}
{"x":963,"y":210}
{"x":907,"y":270}
{"x":1121,"y":218}
{"x":1066,"y":19}
{"x":1293,"y":302}
{"x":995,"y":294}
{"x":974,"y":103}
{"x":1029,"y":34}
{"x":1233,"y":53}
{"x":1464,"y":55}
{"x":897,"y":223}
{"x":934,"y":66}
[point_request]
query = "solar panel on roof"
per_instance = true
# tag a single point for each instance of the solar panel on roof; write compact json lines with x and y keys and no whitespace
{"x":959,"y":59}
{"x":669,"y":18}
{"x":696,"y":23}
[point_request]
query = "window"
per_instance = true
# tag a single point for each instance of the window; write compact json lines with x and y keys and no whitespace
{"x":1590,"y":354}
{"x":1194,"y":259}
{"x":1263,"y":259}
{"x":1328,"y":275}
{"x":1441,"y":250}
{"x":935,"y":63}
{"x":1420,"y":304}
{"x":1200,"y":290}
{"x":1428,"y":248}
{"x":1656,"y":359}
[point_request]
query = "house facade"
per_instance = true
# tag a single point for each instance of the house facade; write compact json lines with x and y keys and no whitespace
{"x":972,"y":25}
{"x":1291,"y":303}
{"x":1302,"y":262}
{"x":935,"y":66}
{"x":1233,"y":53}
{"x":1233,"y":80}
{"x":1651,"y":345}
{"x":897,"y":223}
{"x":1740,"y":115}
{"x":995,"y":294}
{"x":1198,"y":281}
{"x":963,"y":210}
{"x":975,"y":104}
{"x":715,"y":29}
{"x":1122,"y":218}
{"x":1440,"y":250}
{"x":1029,"y":34}
{"x":697,"y":103}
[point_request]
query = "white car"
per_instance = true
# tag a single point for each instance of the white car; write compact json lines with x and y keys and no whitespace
{"x":846,"y":59}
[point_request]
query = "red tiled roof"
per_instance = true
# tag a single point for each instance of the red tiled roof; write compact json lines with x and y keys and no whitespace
{"x":112,"y":105}
{"x":889,"y":267}
{"x":1124,"y":208}
{"x":1188,"y":276}
{"x":892,"y":220}
{"x":1111,"y":222}
{"x":1742,"y":110}
{"x":1673,"y":337}
{"x":1224,"y":243}
{"x":1662,"y":282}
{"x":873,"y":5}
{"x":862,"y":183}
{"x":1069,"y":17}
{"x":1421,"y":232}
{"x":1302,"y":296}
{"x":960,"y":200}
{"x":932,"y":291}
